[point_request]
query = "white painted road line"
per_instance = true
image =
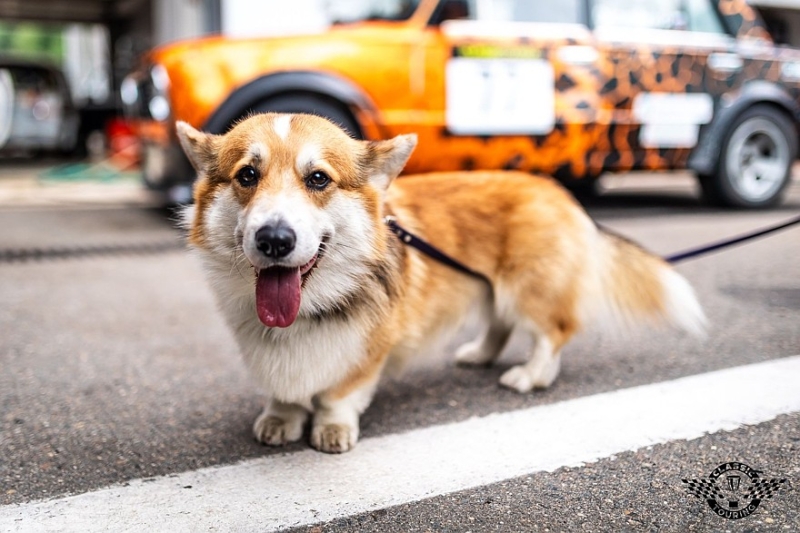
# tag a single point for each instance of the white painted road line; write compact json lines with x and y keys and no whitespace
{"x":275,"y":492}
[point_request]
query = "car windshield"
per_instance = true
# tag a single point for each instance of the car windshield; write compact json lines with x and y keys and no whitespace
{"x":345,"y":11}
{"x":563,"y":11}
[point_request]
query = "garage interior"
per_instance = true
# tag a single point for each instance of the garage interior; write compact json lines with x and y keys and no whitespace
{"x":97,"y":42}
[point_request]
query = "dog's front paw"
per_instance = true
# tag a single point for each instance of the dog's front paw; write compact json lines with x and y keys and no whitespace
{"x":275,"y":431}
{"x":334,"y":438}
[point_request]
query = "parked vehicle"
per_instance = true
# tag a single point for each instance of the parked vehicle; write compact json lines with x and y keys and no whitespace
{"x":572,"y":88}
{"x":36,"y":109}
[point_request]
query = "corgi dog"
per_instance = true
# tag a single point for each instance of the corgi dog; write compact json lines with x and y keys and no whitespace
{"x":289,"y":220}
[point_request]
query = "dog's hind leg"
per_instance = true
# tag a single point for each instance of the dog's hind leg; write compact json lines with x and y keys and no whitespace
{"x":547,"y":313}
{"x":280,"y":423}
{"x":487,"y":348}
{"x":539,"y":372}
{"x":545,"y":358}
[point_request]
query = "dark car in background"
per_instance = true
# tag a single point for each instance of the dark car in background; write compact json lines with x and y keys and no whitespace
{"x":36,"y":109}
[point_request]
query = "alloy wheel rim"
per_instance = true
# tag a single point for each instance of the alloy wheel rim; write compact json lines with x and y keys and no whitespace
{"x":757,"y":160}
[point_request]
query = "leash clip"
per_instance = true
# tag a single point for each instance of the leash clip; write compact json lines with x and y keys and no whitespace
{"x":394,"y":227}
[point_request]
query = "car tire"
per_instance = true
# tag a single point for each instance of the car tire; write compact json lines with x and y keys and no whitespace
{"x":586,"y":188}
{"x":755,"y":160}
{"x":313,"y":105}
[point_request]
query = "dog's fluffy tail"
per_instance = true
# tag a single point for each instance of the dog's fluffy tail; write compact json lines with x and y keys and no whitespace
{"x":635,"y":286}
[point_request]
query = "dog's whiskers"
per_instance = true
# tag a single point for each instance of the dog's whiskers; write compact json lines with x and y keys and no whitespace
{"x":238,"y":260}
{"x":340,"y":245}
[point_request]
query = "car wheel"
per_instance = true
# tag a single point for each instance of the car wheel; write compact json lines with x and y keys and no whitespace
{"x":313,"y":105}
{"x":755,"y":160}
{"x":586,"y":188}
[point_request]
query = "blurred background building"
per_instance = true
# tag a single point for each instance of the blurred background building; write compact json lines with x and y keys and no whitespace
{"x":94,"y":43}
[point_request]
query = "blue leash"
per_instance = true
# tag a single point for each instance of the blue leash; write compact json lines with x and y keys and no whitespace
{"x":431,"y":251}
{"x":703,"y":250}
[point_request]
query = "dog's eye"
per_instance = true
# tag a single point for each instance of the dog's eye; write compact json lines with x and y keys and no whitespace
{"x":317,"y":180}
{"x":247,"y":176}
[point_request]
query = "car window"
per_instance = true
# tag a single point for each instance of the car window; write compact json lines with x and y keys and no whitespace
{"x":563,"y":11}
{"x":689,"y":15}
{"x":783,"y":24}
{"x":357,"y":10}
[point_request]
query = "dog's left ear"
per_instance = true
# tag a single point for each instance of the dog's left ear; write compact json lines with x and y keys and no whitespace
{"x":386,"y":159}
{"x":199,"y":147}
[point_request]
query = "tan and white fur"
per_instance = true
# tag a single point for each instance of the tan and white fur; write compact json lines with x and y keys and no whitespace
{"x":364,"y":297}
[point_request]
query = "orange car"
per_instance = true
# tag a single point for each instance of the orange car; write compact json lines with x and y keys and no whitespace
{"x":571,"y":88}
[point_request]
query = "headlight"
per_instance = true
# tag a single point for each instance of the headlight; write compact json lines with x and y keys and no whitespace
{"x":160,"y":78}
{"x":129,"y":91}
{"x":159,"y":108}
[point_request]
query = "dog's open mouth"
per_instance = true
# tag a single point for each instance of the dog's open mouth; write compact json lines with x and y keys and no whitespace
{"x":278,"y":292}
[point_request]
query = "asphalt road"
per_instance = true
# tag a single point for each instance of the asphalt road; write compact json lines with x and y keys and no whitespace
{"x":116,"y":367}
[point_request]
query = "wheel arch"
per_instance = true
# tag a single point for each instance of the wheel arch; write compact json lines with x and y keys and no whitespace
{"x":327,"y":86}
{"x":704,"y":159}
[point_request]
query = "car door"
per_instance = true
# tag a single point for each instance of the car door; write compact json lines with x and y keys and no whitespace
{"x":661,"y":59}
{"x":515,"y":81}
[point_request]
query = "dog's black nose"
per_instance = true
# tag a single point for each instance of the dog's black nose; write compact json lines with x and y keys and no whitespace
{"x":276,"y":241}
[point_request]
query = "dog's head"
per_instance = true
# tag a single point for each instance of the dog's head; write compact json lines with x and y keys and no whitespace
{"x":297,"y":199}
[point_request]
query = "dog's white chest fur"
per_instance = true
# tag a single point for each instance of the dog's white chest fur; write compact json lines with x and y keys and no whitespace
{"x":295,"y":363}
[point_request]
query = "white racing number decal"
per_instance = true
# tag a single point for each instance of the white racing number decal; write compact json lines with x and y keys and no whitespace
{"x":500,"y":96}
{"x":671,"y":120}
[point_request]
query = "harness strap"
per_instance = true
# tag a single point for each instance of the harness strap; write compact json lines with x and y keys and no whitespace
{"x":409,"y":239}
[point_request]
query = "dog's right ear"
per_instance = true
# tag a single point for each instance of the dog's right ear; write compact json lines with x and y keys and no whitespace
{"x":386,"y":159}
{"x":199,"y":147}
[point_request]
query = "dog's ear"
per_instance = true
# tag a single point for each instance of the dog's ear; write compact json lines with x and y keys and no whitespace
{"x":199,"y":147}
{"x":387,"y":158}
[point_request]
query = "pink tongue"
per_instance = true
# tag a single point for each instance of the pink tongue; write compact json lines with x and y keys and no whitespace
{"x":278,"y":296}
